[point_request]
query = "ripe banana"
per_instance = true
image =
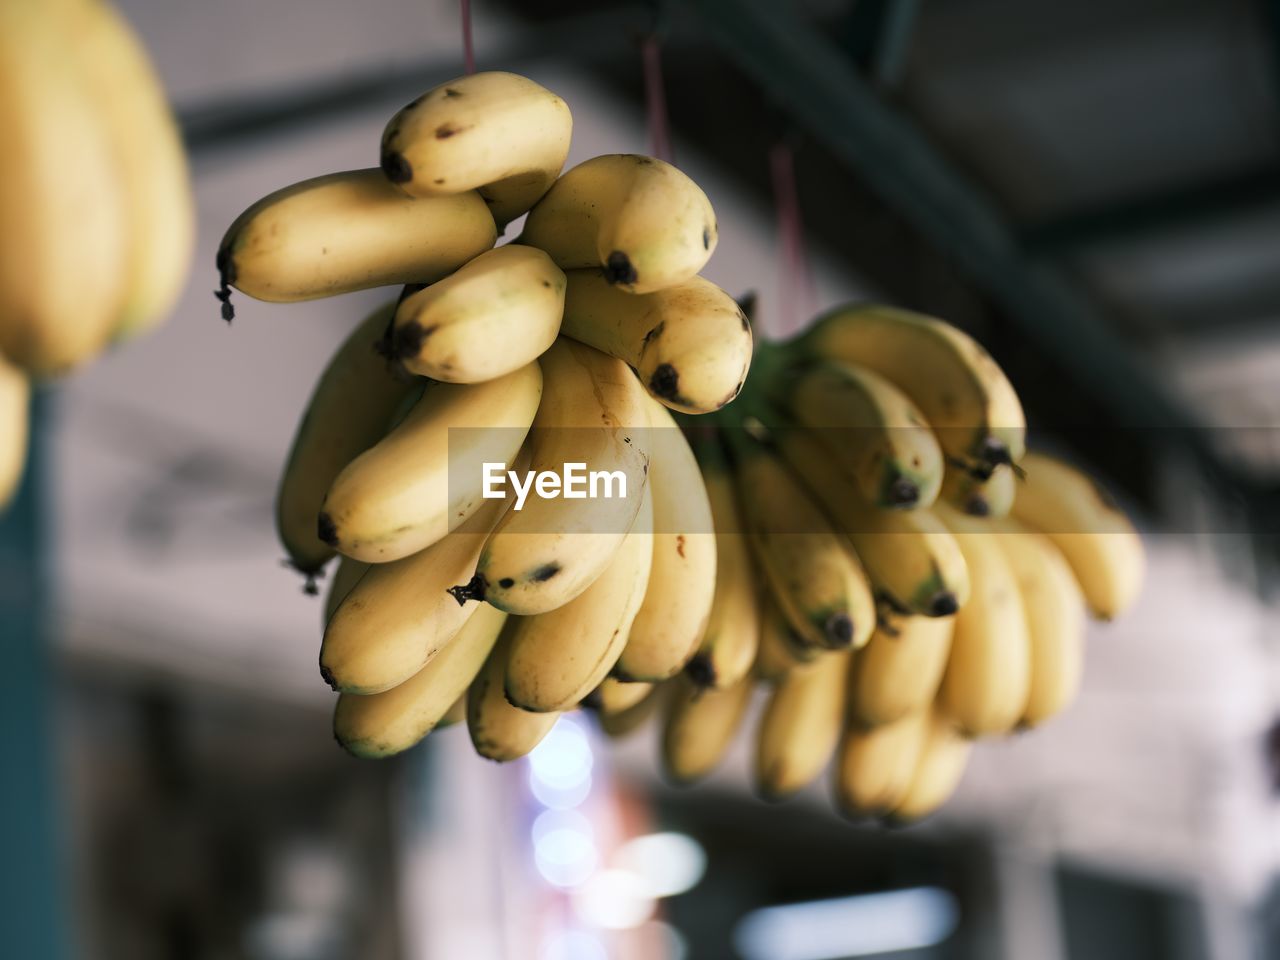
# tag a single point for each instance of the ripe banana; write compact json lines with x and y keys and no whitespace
{"x":348,"y":231}
{"x":498,"y":730}
{"x":699,"y":726}
{"x":1054,"y":607}
{"x":15,"y":405}
{"x":387,"y":723}
{"x":62,"y":209}
{"x":780,"y":649}
{"x":625,"y":722}
{"x":944,"y":754}
{"x":345,"y":578}
{"x":346,"y":415}
{"x":988,"y":676}
{"x":613,"y":696}
{"x":646,"y":223}
{"x":494,"y":315}
{"x":871,"y":430}
{"x":875,"y":767}
{"x":800,"y":726}
{"x":1082,"y":520}
{"x":913,"y":562}
{"x":498,"y":133}
{"x":899,"y":672}
{"x":149,"y":159}
{"x":682,"y":578}
{"x":593,"y":411}
{"x":813,"y":573}
{"x":979,"y":497}
{"x":728,"y":646}
{"x":407,"y":491}
{"x":557,"y":658}
{"x":455,"y":715}
{"x":690,"y":344}
{"x":964,"y":395}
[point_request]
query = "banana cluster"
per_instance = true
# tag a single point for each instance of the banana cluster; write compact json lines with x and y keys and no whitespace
{"x":94,"y":196}
{"x":573,"y":344}
{"x":896,"y":572}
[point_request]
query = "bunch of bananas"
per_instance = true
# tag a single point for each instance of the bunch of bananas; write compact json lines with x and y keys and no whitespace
{"x":94,"y":196}
{"x":896,"y":570}
{"x":570,"y":345}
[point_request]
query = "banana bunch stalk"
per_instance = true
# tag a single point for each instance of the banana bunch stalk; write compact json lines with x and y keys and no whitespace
{"x":95,"y":185}
{"x":571,"y":344}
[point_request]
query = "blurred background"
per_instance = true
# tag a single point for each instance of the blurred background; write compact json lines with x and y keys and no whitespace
{"x":1093,"y":189}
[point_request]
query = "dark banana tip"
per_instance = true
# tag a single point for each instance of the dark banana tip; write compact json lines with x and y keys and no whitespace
{"x":618,"y":268}
{"x":592,"y":701}
{"x":311,"y":587}
{"x":473,"y":589}
{"x":327,"y":675}
{"x":395,"y":167}
{"x":665,"y":381}
{"x":226,"y":265}
{"x":903,"y":492}
{"x":993,"y":452}
{"x":943,"y":604}
{"x":839,"y":629}
{"x":977,"y":507}
{"x":701,"y":671}
{"x":326,"y":530}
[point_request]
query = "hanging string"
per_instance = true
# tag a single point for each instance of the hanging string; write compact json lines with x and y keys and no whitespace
{"x":468,"y":49}
{"x":797,"y":294}
{"x":655,"y":98}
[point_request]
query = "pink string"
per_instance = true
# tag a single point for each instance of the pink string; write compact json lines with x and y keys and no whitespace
{"x":468,"y":50}
{"x":796,"y":285}
{"x":655,"y":99}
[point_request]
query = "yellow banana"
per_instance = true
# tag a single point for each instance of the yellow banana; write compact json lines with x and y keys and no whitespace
{"x":964,"y":395}
{"x":613,"y":696}
{"x":62,"y":209}
{"x":625,"y":722}
{"x":346,"y":415}
{"x":875,"y":767}
{"x":149,"y":159}
{"x":345,"y":577}
{"x":912,"y":560}
{"x":944,"y":754}
{"x":899,"y":672}
{"x":990,"y":496}
{"x":498,"y":133}
{"x":1082,"y":520}
{"x":15,"y":417}
{"x":494,"y":315}
{"x":699,"y":725}
{"x":383,"y":724}
{"x":557,"y":658}
{"x":870,"y":428}
{"x":682,"y":578}
{"x":593,"y":412}
{"x":1054,"y":608}
{"x":498,"y":730}
{"x":690,"y":344}
{"x":800,"y":726}
{"x":646,"y":223}
{"x":348,"y":231}
{"x":988,"y":676}
{"x":454,"y":715}
{"x":407,"y":491}
{"x":780,"y":650}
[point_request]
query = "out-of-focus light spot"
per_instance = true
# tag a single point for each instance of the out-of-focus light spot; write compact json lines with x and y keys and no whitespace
{"x":557,"y":799}
{"x":574,"y":945}
{"x":564,"y":848}
{"x":663,"y":940}
{"x":848,"y":926}
{"x":613,"y":900}
{"x":562,"y":761}
{"x":549,"y":821}
{"x":668,"y":863}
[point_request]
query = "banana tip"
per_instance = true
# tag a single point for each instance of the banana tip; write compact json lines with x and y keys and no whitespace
{"x":327,"y":675}
{"x":943,"y":604}
{"x":473,"y":589}
{"x":701,"y":671}
{"x":326,"y":530}
{"x":903,"y":492}
{"x":839,"y":629}
{"x":619,"y":269}
{"x":395,"y":167}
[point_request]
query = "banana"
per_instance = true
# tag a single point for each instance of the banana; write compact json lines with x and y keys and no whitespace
{"x":557,"y":658}
{"x":875,"y":767}
{"x":913,"y":562}
{"x":152,"y":166}
{"x":62,"y":209}
{"x":383,"y":724}
{"x":780,"y":650}
{"x":498,"y":730}
{"x":625,"y":722}
{"x":346,"y":415}
{"x":869,"y":427}
{"x":964,"y":395}
{"x":728,"y":646}
{"x":988,"y":677}
{"x":345,"y":578}
{"x":405,"y":492}
{"x":944,"y":754}
{"x":593,"y":412}
{"x":455,"y":715}
{"x":498,"y":133}
{"x":813,"y":573}
{"x":646,"y":223}
{"x":1054,"y":607}
{"x":977,"y":496}
{"x":401,"y":614}
{"x":494,"y":315}
{"x":699,"y":725}
{"x":15,"y":418}
{"x":613,"y":697}
{"x":348,"y":231}
{"x":682,"y":577}
{"x":800,"y":726}
{"x":899,"y":672}
{"x":1099,"y":542}
{"x":690,"y":344}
